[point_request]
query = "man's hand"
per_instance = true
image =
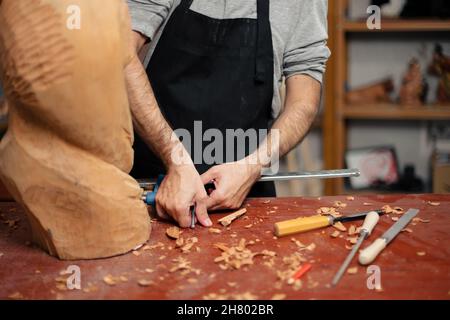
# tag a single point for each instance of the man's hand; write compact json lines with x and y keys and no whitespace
{"x":233,"y":182}
{"x":181,"y":188}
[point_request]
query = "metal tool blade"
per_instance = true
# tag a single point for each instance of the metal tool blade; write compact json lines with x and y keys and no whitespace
{"x":390,"y":234}
{"x":323,"y":174}
{"x":148,"y":184}
{"x":358,"y":216}
{"x":349,"y":259}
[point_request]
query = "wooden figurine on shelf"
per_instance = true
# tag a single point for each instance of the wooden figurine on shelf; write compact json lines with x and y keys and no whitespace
{"x":413,"y":88}
{"x":372,"y":94}
{"x":68,"y":149}
{"x":440,"y":67}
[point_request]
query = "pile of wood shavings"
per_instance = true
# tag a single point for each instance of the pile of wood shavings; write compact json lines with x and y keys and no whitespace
{"x":238,"y":256}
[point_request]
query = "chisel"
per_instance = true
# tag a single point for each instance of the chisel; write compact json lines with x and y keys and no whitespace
{"x":303,"y":224}
{"x":369,"y":254}
{"x":366,"y":229}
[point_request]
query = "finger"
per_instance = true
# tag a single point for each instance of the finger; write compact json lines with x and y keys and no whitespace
{"x":183,"y":217}
{"x":209,"y":176}
{"x":202,"y":213}
{"x":161,"y":212}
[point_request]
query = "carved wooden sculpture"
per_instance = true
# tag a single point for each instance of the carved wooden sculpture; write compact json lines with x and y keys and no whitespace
{"x":412,"y":90}
{"x":440,"y":67}
{"x":68,"y":148}
{"x":374,"y":93}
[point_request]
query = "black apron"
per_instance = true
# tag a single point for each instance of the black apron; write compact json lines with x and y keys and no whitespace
{"x":217,"y":71}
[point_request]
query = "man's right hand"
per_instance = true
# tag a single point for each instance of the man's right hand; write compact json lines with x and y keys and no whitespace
{"x":180,"y":189}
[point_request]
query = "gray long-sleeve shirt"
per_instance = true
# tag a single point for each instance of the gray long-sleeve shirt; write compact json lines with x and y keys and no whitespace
{"x":299,"y":31}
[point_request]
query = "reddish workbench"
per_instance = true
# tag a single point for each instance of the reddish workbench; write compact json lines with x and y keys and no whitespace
{"x":27,"y":272}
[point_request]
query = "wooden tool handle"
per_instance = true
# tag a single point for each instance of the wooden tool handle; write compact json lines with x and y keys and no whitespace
{"x":370,"y":222}
{"x":369,"y":254}
{"x":285,"y":228}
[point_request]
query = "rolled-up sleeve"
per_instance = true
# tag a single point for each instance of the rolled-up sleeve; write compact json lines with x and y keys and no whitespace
{"x":147,"y":16}
{"x":307,"y":51}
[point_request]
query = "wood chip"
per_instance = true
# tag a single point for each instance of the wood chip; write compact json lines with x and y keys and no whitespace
{"x":395,"y":218}
{"x":367,"y":204}
{"x":398,"y":210}
{"x":179,"y":243}
{"x":335,"y":234}
{"x":421,"y":253}
{"x":339,"y":204}
{"x":227,"y":220}
{"x":145,"y":283}
{"x":136,"y":253}
{"x":352,"y":240}
{"x":214,"y":230}
{"x":173,"y":232}
{"x":279,"y":296}
{"x":407,"y":230}
{"x":338,"y":225}
{"x":16,"y":296}
{"x":352,"y":230}
{"x":350,"y":198}
{"x":110,"y":280}
{"x":434,"y":204}
{"x":353,"y":270}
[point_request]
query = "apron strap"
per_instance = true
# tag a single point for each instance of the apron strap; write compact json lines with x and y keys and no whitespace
{"x":264,"y":32}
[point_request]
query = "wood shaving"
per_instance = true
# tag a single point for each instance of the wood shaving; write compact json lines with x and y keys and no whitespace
{"x":395,"y":218}
{"x":352,"y":240}
{"x":278,"y":296}
{"x":421,"y":220}
{"x":249,"y":226}
{"x":335,"y":234}
{"x":227,"y":220}
{"x":16,"y":296}
{"x":421,"y":253}
{"x":338,"y":225}
{"x":238,"y":256}
{"x":183,"y":266}
{"x":145,"y":283}
{"x":353,"y":270}
{"x":110,"y":280}
{"x":367,"y":204}
{"x":136,"y":253}
{"x":434,"y":204}
{"x":173,"y":232}
{"x":214,"y":230}
{"x":236,"y":296}
{"x":1,"y":254}
{"x":266,"y":201}
{"x":352,"y":230}
{"x":339,"y":204}
{"x":179,"y":242}
{"x":407,"y":230}
{"x":189,"y":243}
{"x":328,"y":211}
{"x":350,"y":198}
{"x":398,"y":210}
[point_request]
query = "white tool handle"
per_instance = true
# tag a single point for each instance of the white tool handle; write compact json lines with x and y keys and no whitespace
{"x":369,"y":254}
{"x":370,"y":222}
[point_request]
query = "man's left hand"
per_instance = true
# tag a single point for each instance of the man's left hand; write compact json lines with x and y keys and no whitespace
{"x":233,"y":181}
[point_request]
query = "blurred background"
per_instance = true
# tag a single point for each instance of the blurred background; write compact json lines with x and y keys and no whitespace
{"x":386,"y":101}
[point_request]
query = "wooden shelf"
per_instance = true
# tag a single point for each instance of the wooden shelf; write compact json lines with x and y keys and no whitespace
{"x":396,"y":112}
{"x":399,"y":26}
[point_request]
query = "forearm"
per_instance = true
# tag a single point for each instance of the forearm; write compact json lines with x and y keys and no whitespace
{"x":148,"y":120}
{"x":300,"y":109}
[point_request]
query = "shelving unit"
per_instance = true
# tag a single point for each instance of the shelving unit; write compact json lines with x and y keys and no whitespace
{"x":337,"y":113}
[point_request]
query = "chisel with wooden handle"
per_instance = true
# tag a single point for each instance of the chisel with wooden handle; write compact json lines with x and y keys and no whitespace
{"x":369,"y":254}
{"x":303,"y":224}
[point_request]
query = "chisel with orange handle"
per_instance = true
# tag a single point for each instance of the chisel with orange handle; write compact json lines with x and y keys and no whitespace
{"x":303,"y":224}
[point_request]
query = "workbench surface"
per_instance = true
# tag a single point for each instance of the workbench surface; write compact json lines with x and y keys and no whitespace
{"x":416,"y":265}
